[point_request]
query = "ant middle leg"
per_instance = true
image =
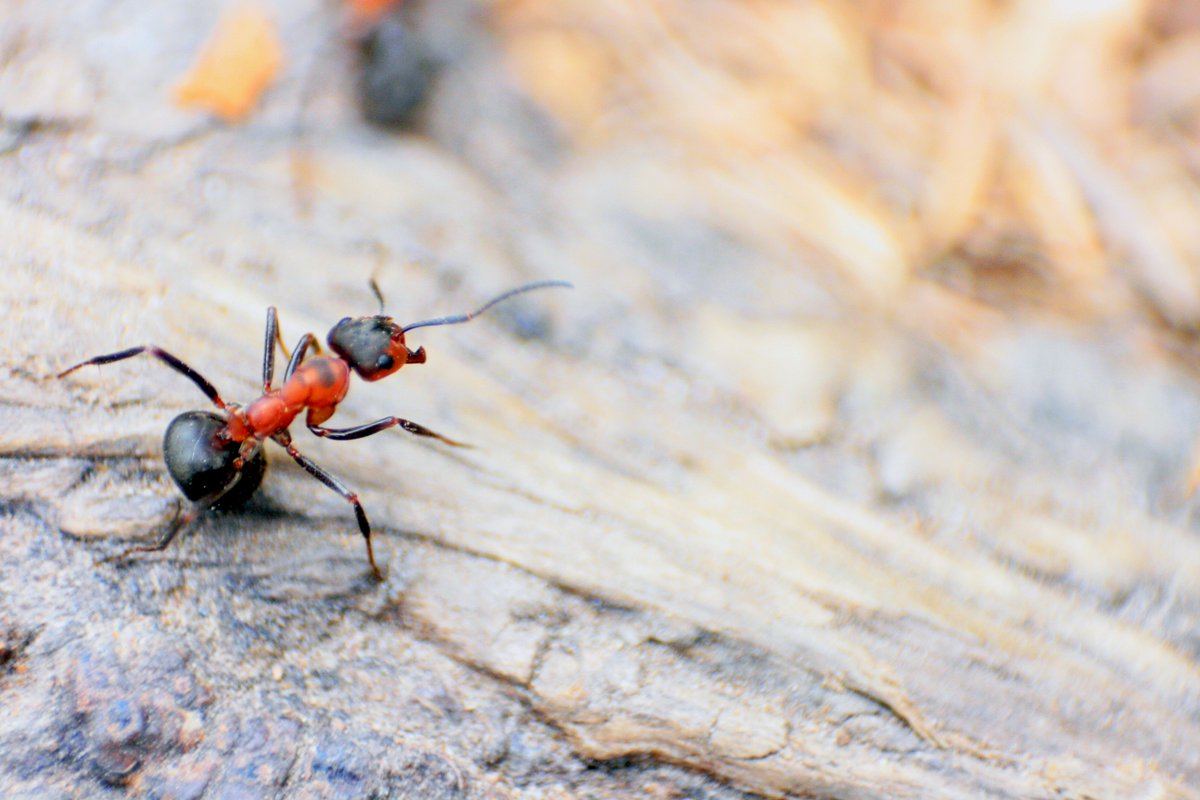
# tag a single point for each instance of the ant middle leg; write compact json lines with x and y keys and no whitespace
{"x":324,"y":477}
{"x":306,"y":342}
{"x":171,"y":361}
{"x":372,"y":428}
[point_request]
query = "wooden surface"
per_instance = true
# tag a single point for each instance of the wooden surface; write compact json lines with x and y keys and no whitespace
{"x":854,"y":466}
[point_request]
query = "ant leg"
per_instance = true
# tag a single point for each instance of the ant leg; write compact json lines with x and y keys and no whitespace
{"x":272,"y":338}
{"x":171,"y":361}
{"x":333,"y":483}
{"x":306,"y":341}
{"x":279,"y":338}
{"x":372,"y":428}
{"x":269,"y":348}
{"x":181,"y":522}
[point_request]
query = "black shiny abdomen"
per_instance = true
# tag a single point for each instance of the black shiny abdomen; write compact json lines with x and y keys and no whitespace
{"x":201,"y":468}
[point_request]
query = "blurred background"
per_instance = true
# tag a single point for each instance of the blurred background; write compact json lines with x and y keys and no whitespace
{"x":878,"y":386}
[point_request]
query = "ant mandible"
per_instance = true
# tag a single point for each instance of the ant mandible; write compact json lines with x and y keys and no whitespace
{"x":218,"y":461}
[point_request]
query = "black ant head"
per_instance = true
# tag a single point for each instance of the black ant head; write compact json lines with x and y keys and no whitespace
{"x":372,"y":346}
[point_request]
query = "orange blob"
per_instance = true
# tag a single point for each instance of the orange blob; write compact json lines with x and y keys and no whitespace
{"x":367,"y":12}
{"x":241,"y":59}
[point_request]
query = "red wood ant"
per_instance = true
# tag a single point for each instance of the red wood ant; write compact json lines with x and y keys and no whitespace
{"x":218,"y":461}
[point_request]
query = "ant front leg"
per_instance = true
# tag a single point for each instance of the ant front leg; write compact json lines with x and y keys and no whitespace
{"x":333,"y":483}
{"x":372,"y":428}
{"x":171,"y":361}
{"x":273,"y":337}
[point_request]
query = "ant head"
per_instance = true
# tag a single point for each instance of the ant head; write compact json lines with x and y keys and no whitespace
{"x":372,"y":346}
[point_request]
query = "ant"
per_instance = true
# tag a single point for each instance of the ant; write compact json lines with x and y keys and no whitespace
{"x":218,"y":461}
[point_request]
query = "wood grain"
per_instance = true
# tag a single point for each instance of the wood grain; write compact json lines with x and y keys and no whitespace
{"x":842,"y":472}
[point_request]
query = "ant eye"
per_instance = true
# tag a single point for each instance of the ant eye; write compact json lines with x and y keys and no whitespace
{"x":385,"y":362}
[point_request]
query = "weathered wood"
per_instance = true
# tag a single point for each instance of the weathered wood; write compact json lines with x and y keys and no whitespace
{"x":780,"y":500}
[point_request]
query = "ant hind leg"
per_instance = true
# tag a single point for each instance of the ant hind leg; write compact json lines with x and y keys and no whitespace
{"x":182,"y":521}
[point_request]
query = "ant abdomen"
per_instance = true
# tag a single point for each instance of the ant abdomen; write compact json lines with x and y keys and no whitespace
{"x":202,"y":464}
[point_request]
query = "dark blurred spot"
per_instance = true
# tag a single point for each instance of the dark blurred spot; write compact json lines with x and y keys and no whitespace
{"x":13,"y":642}
{"x":395,"y":72}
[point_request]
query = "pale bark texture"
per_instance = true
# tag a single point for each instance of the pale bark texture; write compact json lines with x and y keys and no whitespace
{"x":857,"y":463}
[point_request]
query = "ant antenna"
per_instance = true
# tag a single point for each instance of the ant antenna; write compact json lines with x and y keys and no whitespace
{"x":458,"y":318}
{"x":378,"y":294}
{"x":381,"y":254}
